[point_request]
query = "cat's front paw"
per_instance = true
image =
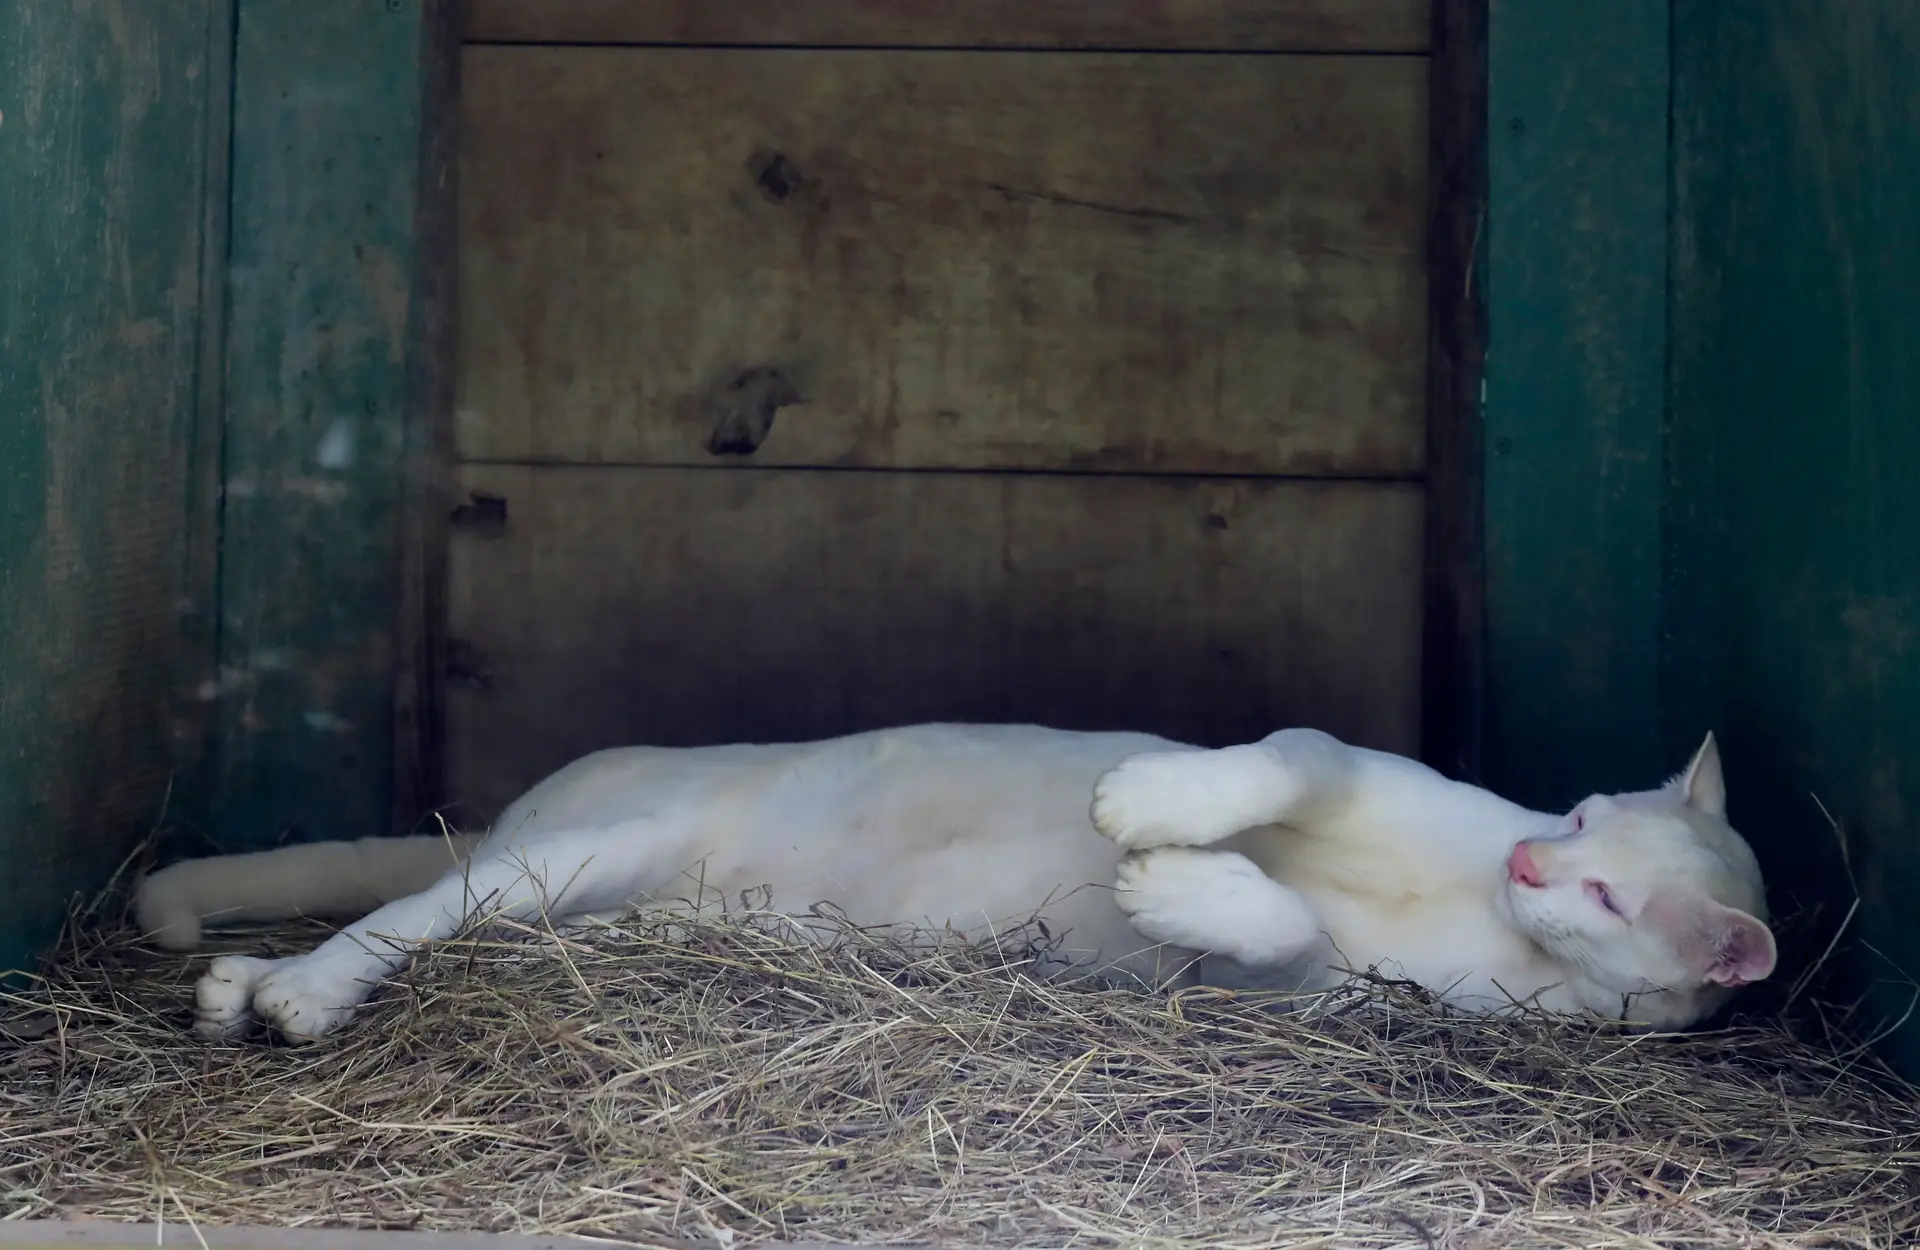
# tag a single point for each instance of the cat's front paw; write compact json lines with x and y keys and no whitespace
{"x":1169,"y":893}
{"x":1216,"y":902}
{"x":1182,"y":798}
{"x":1149,"y":800}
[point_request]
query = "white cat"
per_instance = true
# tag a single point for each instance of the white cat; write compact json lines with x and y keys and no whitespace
{"x":1297,"y":858}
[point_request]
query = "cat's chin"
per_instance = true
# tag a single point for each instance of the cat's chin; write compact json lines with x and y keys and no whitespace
{"x":1507,"y":903}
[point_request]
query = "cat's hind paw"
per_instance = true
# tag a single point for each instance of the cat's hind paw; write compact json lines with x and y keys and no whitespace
{"x":301,"y":998}
{"x":223,"y":997}
{"x":305,"y":999}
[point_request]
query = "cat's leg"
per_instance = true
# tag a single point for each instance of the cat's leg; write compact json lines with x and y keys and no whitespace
{"x":563,"y":874}
{"x":1215,"y":902}
{"x":1198,"y":798}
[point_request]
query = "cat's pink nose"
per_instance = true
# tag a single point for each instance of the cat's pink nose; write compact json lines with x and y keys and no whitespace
{"x":1521,"y":870}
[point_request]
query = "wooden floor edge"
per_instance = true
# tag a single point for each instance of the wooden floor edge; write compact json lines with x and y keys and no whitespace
{"x":46,"y":1234}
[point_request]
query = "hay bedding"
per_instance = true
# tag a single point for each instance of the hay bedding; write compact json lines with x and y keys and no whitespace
{"x":714,"y":1082}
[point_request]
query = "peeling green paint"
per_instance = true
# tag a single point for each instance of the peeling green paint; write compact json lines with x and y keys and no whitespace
{"x":104,"y":115}
{"x":326,"y":158}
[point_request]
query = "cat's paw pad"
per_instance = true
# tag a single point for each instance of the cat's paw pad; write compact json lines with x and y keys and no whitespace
{"x":1176,"y":798}
{"x":223,"y":997}
{"x":305,"y":999}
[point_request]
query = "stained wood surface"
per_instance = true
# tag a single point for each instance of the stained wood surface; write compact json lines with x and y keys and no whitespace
{"x":1230,"y":25}
{"x":1207,"y":264}
{"x":598,"y":607}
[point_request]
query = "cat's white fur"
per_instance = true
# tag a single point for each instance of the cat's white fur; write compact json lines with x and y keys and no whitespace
{"x":1297,"y":859}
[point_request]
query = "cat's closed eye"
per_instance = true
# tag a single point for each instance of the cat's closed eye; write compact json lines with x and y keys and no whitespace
{"x":1598,"y":892}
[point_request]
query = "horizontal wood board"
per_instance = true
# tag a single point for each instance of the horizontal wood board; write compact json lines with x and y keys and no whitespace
{"x":1228,"y":25}
{"x":1194,"y":264}
{"x":593,"y":607}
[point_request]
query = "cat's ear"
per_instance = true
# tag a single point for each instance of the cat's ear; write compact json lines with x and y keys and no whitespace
{"x":1703,"y":786}
{"x":1720,"y":945}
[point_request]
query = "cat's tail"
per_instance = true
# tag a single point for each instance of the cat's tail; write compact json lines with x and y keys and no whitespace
{"x":343,"y":880}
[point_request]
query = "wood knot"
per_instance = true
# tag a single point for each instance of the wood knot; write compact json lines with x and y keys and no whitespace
{"x":484,"y":514}
{"x":778,"y":178}
{"x":744,"y":410}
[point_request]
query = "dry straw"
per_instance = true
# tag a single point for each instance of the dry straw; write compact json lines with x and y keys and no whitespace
{"x":713,"y":1081}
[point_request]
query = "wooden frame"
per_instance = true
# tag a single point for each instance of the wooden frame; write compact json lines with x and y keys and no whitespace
{"x":1369,"y":26}
{"x":1453,"y":732}
{"x":419,"y":706}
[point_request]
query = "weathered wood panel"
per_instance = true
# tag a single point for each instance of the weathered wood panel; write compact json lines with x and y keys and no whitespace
{"x":103,"y":146}
{"x":595,"y":607}
{"x":1208,"y":264}
{"x":325,"y":327}
{"x":1220,"y":25}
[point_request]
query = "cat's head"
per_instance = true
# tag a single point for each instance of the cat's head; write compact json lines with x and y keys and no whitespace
{"x":1651,"y":895}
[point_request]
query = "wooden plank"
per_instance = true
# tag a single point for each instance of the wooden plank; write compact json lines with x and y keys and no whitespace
{"x":1214,"y":25}
{"x":1576,"y":271}
{"x":103,"y":192}
{"x":322,"y":322}
{"x":1453,"y":680}
{"x":1088,"y":262}
{"x":601,"y":606}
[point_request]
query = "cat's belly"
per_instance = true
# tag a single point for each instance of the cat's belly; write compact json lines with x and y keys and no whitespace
{"x":971,"y":828}
{"x":978,"y":886}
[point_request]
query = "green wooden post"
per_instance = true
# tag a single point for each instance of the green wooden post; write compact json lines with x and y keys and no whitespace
{"x":332,"y":130}
{"x":1793,"y":589}
{"x":1575,"y":274}
{"x":108,"y":117}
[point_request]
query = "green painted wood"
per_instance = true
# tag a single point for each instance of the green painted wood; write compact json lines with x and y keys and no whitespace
{"x":1793,"y":584}
{"x":104,"y":113}
{"x":1575,"y":271}
{"x":327,"y":159}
